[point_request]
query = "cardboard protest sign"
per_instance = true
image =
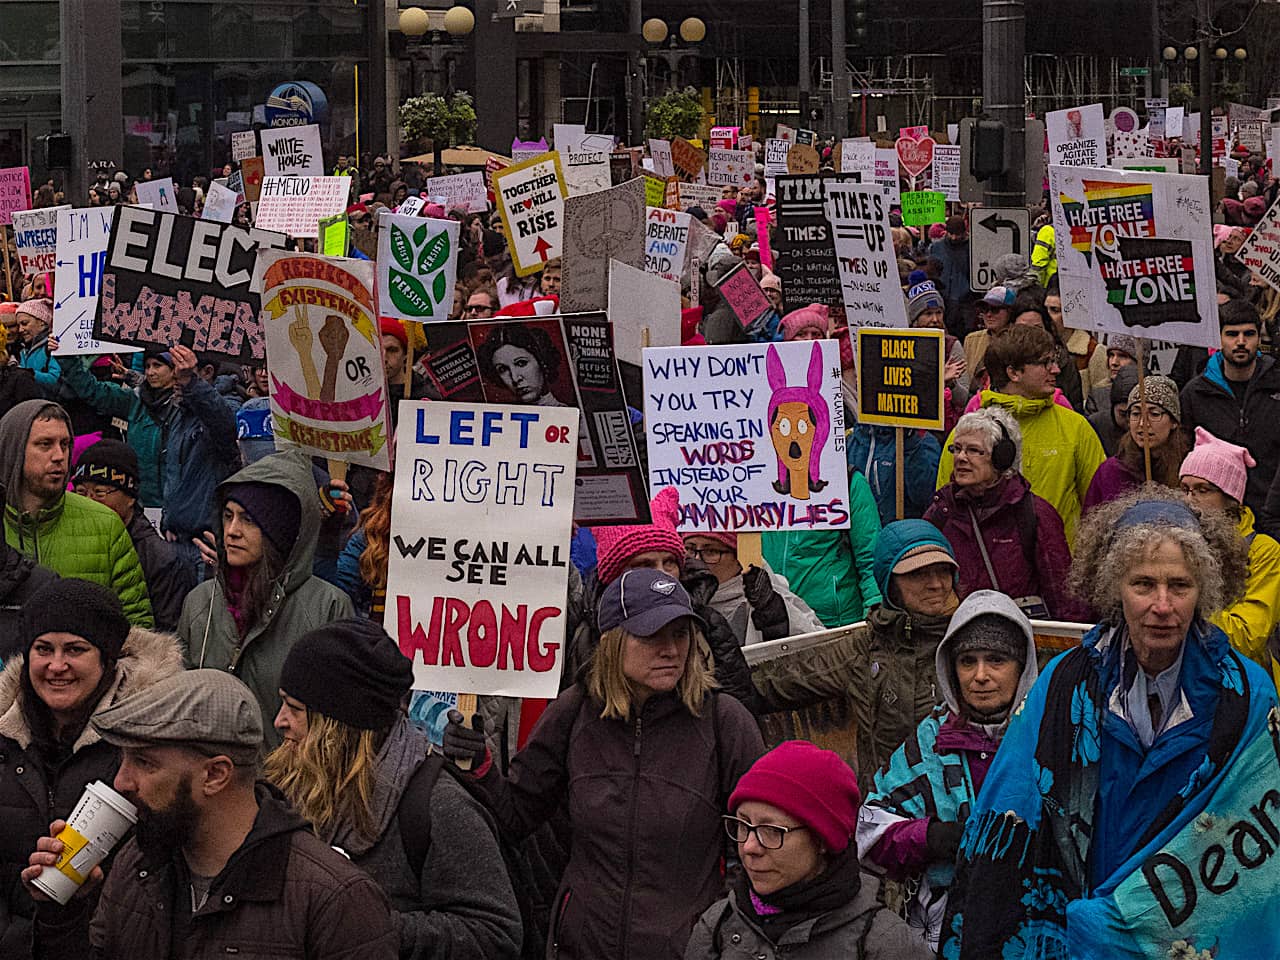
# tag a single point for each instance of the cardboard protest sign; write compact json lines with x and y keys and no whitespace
{"x":170,"y":279}
{"x":411,"y":207}
{"x":900,"y":380}
{"x":687,"y":160}
{"x":244,"y":144}
{"x":417,"y":266}
{"x":584,"y":158}
{"x":1261,"y":250}
{"x":666,"y":242}
{"x":1133,"y":254}
{"x":886,"y":173}
{"x":292,"y":151}
{"x":461,"y":191}
{"x":35,"y":234}
{"x":599,"y":227}
{"x":660,"y":151}
{"x":335,"y":236}
{"x":219,"y":204}
{"x":751,"y":434}
{"x":681,"y":196}
{"x":946,"y":171}
{"x":923,"y":207}
{"x":775,"y":157}
{"x":743,"y":294}
{"x":1078,"y":136}
{"x":530,"y":198}
{"x":868,"y":269}
{"x":252,"y":173}
{"x":480,"y":525}
{"x":157,"y":194}
{"x":858,"y":156}
{"x":730,"y":168}
{"x":82,"y":241}
{"x":803,"y":158}
{"x":15,"y":192}
{"x":296,"y":205}
{"x":528,"y":149}
{"x":640,"y":301}
{"x":324,"y":354}
{"x":804,"y":250}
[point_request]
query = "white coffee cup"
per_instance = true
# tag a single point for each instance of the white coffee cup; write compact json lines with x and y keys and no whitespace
{"x":98,"y":822}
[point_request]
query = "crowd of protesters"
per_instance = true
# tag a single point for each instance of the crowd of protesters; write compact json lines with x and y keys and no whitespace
{"x":195,"y":617}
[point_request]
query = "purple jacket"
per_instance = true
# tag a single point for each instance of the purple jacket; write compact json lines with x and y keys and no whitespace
{"x":1001,"y":513}
{"x":1112,"y":480}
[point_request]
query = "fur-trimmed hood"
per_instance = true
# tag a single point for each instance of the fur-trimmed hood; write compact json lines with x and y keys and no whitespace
{"x":147,"y":656}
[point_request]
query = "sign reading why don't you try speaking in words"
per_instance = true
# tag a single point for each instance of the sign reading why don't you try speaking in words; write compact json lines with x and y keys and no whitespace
{"x":751,"y":434}
{"x":479,"y":557}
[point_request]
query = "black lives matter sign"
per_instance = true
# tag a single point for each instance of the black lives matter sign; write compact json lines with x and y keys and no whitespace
{"x":169,"y":279}
{"x":900,"y":377}
{"x":804,"y":251}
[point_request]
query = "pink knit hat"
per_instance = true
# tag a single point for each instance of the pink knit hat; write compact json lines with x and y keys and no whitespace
{"x":616,"y":545}
{"x":814,"y":316}
{"x":40,"y":308}
{"x":730,"y":540}
{"x":811,"y":784}
{"x":1223,"y":464}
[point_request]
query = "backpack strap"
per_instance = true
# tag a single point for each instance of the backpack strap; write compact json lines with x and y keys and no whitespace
{"x":414,"y":812}
{"x":1028,"y":523}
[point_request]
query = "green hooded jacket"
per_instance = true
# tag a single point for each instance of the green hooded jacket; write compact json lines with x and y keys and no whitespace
{"x":299,"y":602}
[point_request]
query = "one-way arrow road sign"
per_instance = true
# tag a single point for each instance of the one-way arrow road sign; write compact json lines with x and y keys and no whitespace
{"x":995,"y":231}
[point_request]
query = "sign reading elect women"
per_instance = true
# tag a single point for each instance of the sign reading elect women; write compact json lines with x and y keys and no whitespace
{"x":480,"y":523}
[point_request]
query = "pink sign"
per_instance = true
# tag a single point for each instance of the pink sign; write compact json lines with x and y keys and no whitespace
{"x":915,"y":155}
{"x":15,"y":192}
{"x":743,"y":294}
{"x":762,"y":236}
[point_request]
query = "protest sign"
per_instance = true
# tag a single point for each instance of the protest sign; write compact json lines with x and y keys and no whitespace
{"x":723,"y":138}
{"x":1174,"y":120}
{"x":243,"y":145}
{"x":915,"y":158}
{"x":761,"y":215}
{"x":411,"y":207}
{"x":887,"y":173}
{"x":599,"y":227}
{"x":157,"y":194}
{"x":417,"y":266}
{"x":751,"y":434}
{"x":666,"y":242}
{"x":530,"y":198}
{"x":868,"y":270}
{"x":1133,"y":254}
{"x":900,"y":378}
{"x":584,"y":159}
{"x":660,"y":151}
{"x":640,"y":301}
{"x":15,"y":192}
{"x":324,"y":354}
{"x":82,"y":241}
{"x":803,"y":158}
{"x":743,"y":294}
{"x":335,"y":236}
{"x":784,"y":132}
{"x":461,"y":191}
{"x":687,"y":160}
{"x":251,"y":174}
{"x":1261,"y":250}
{"x":480,"y":524}
{"x":775,"y":157}
{"x":858,"y":156}
{"x":292,"y":151}
{"x":803,"y":250}
{"x":296,"y":205}
{"x":528,"y":149}
{"x":35,"y":234}
{"x":655,"y":189}
{"x":219,"y":204}
{"x":946,"y":171}
{"x":625,"y":164}
{"x":682,"y":196}
{"x":730,"y":168}
{"x":1078,"y":136}
{"x":171,"y":279}
{"x":922,"y":208}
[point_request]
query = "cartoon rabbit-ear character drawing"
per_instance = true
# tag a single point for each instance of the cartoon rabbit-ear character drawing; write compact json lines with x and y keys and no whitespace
{"x":799,"y":424}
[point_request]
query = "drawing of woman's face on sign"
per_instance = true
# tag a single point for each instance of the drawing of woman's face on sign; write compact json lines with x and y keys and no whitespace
{"x":524,"y":362}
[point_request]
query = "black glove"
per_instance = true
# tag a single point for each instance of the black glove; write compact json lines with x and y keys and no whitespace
{"x":460,"y":743}
{"x":942,"y":841}
{"x":768,"y":610}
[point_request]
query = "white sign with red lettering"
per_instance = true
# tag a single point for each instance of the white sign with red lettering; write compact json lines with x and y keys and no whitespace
{"x":530,"y":197}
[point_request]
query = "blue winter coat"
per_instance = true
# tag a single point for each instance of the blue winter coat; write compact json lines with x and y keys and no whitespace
{"x":871,"y":451}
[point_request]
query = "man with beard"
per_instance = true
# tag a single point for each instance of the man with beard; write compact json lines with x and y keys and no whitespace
{"x":219,"y":863}
{"x":1237,"y":399}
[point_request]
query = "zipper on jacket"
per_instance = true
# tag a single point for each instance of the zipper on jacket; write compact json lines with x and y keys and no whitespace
{"x":631,"y":845}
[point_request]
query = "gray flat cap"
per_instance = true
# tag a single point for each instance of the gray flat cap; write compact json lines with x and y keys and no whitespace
{"x":204,"y":708}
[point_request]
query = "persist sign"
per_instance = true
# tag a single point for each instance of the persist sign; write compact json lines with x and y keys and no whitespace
{"x":900,"y":378}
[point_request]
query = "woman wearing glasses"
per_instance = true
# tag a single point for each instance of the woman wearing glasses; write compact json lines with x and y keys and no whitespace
{"x":1153,"y":425}
{"x":758,"y":604}
{"x":802,"y":892}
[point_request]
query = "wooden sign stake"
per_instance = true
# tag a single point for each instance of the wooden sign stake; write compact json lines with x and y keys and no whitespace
{"x":1142,"y":400}
{"x":466,"y":707}
{"x":899,"y":481}
{"x":750,"y":552}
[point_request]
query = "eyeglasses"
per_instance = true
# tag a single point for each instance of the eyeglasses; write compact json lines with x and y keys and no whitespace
{"x":968,"y":450}
{"x":769,"y":835}
{"x":706,"y":554}
{"x":1043,"y":362}
{"x":1155,"y":416}
{"x":483,"y":309}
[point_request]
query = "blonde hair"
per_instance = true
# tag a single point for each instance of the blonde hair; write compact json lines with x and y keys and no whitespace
{"x":607,"y":682}
{"x":328,"y":775}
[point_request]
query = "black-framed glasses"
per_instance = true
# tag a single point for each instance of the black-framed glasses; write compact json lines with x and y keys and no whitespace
{"x":706,"y":554}
{"x":769,"y":835}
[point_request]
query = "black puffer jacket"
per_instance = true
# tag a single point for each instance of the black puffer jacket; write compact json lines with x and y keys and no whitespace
{"x":732,"y":672}
{"x":20,"y":577}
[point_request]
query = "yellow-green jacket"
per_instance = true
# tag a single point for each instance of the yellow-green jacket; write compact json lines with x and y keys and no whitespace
{"x":1250,"y":620}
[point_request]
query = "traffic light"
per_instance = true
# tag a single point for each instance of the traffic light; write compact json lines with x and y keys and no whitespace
{"x":859,"y":20}
{"x":988,"y":156}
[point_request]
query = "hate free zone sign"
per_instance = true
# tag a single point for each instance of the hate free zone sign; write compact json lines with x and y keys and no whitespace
{"x":900,"y":378}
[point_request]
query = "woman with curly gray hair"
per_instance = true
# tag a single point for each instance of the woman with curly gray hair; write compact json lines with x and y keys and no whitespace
{"x":1088,"y":838}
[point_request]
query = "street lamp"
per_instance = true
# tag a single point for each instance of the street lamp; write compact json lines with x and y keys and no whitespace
{"x":452,"y":24}
{"x":691,"y":31}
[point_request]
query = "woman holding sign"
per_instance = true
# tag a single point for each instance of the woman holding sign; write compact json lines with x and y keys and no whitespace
{"x":644,"y":752}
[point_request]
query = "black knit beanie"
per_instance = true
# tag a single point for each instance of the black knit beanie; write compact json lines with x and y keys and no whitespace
{"x":350,"y":671}
{"x":990,"y":631}
{"x":275,"y":509}
{"x":111,"y":462}
{"x":80,"y":608}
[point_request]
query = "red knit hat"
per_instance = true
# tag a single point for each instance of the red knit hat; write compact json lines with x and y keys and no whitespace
{"x":391,"y":327}
{"x":616,"y":545}
{"x":537,"y":307}
{"x":813,"y":785}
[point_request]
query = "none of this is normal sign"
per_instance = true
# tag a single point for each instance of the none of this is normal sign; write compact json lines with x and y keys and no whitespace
{"x":900,"y":378}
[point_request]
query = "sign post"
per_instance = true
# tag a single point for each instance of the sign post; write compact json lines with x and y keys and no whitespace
{"x":996,"y":232}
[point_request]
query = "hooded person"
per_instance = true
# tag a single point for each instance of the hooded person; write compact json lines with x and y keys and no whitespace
{"x":915,"y":812}
{"x":78,"y":657}
{"x":883,"y":668}
{"x":69,"y":534}
{"x":1111,"y":420}
{"x":264,"y":596}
